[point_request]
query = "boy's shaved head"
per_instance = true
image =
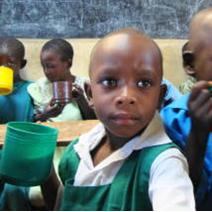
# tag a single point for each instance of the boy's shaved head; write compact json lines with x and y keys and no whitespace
{"x":123,"y":39}
{"x":200,"y":29}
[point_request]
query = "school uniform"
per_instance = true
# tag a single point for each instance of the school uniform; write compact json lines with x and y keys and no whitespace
{"x":147,"y":173}
{"x":16,"y":106}
{"x":178,"y":125}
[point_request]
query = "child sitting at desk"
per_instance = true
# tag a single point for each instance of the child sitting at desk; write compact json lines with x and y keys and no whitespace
{"x":125,"y":162}
{"x":188,"y":120}
{"x":16,"y":106}
{"x":56,"y":59}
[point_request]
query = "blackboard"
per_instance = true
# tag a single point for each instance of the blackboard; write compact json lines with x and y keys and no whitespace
{"x":95,"y":18}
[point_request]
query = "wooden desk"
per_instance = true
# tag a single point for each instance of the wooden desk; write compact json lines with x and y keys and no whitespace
{"x":67,"y":130}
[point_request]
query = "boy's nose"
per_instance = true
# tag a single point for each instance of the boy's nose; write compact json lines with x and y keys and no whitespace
{"x":126,"y":97}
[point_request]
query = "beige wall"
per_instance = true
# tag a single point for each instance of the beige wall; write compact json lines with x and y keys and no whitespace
{"x":171,"y":50}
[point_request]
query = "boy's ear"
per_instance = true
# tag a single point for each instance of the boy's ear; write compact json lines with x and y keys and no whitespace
{"x":88,"y":92}
{"x":163,"y":90}
{"x":23,"y":63}
{"x":188,"y":63}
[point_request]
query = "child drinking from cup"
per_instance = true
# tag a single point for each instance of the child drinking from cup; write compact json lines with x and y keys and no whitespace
{"x":188,"y":120}
{"x":16,"y":106}
{"x":124,"y":163}
{"x":56,"y":59}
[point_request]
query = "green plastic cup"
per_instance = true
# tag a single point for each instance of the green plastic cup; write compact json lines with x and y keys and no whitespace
{"x":27,"y":153}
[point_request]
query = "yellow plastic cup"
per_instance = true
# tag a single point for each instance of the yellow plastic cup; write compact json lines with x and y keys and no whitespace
{"x":6,"y":80}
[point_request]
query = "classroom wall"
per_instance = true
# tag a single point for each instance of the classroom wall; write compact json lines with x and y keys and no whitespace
{"x":95,"y":18}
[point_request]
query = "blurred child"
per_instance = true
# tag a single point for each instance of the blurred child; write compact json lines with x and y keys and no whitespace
{"x":126,"y":162}
{"x":56,"y":59}
{"x":16,"y":106}
{"x":189,"y":120}
{"x":186,"y":86}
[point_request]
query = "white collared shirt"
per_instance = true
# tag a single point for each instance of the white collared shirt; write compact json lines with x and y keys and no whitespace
{"x":169,"y":185}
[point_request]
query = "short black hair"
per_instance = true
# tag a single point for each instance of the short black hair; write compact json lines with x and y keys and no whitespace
{"x":60,"y":46}
{"x":12,"y":45}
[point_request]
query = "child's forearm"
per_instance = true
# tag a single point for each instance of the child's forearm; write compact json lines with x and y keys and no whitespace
{"x":195,"y":152}
{"x":50,"y":189}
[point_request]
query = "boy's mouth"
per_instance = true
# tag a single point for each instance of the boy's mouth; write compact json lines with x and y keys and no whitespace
{"x":124,"y":119}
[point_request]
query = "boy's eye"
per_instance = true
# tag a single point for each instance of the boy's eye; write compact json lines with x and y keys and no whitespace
{"x":109,"y":82}
{"x":144,"y":83}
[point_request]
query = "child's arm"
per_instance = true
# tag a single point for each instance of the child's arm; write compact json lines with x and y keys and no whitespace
{"x":86,"y":110}
{"x":50,"y":189}
{"x":52,"y":110}
{"x":200,"y":110}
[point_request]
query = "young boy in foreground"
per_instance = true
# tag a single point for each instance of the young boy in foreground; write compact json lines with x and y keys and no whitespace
{"x":124,"y":163}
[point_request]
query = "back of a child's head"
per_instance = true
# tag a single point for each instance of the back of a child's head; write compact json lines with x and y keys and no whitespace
{"x":61,"y":47}
{"x":12,"y":47}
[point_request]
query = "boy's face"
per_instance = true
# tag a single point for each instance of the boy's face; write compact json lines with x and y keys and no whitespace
{"x":125,"y":83}
{"x":54,"y":67}
{"x":203,"y":63}
{"x":13,"y":62}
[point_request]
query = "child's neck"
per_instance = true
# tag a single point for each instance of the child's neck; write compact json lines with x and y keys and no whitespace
{"x":109,"y":144}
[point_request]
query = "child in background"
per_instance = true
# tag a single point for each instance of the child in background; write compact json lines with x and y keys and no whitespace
{"x":188,"y":121}
{"x":186,"y":86}
{"x":56,"y":59}
{"x":124,"y":163}
{"x":16,"y":106}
